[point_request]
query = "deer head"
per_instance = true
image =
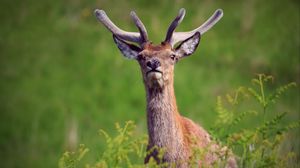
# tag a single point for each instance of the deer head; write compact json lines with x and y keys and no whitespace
{"x":157,"y":61}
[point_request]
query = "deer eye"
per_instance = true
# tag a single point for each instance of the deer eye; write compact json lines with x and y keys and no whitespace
{"x":173,"y":56}
{"x":141,"y":57}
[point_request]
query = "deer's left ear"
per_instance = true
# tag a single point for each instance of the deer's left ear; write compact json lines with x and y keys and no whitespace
{"x":188,"y":46}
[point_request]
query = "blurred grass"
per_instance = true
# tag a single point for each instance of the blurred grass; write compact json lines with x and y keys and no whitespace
{"x":59,"y":64}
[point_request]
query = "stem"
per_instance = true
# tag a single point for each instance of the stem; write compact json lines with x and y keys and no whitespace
{"x":262,"y":92}
{"x":244,"y":155}
{"x":261,"y":83}
{"x":262,"y":154}
{"x":264,"y":103}
{"x":264,"y":114}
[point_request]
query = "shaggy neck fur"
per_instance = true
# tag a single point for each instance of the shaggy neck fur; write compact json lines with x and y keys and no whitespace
{"x":163,"y":121}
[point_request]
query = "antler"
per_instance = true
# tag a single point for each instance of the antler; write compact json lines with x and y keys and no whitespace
{"x":174,"y":24}
{"x":140,"y":37}
{"x":174,"y":37}
{"x":140,"y":25}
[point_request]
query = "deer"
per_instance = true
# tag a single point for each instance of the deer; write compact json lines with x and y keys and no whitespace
{"x":167,"y":129}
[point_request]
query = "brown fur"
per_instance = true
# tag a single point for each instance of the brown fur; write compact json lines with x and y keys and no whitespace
{"x":167,"y":129}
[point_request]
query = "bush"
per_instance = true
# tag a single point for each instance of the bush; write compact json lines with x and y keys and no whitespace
{"x":258,"y":146}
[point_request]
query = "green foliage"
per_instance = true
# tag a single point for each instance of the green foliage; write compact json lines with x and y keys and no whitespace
{"x":119,"y":152}
{"x":126,"y":149}
{"x":258,"y":146}
{"x":119,"y":148}
{"x":71,"y":159}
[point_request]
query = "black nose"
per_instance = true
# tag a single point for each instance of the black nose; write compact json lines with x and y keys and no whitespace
{"x":153,"y":63}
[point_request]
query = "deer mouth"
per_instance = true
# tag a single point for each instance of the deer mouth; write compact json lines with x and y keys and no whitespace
{"x":153,"y":71}
{"x":154,"y":78}
{"x":154,"y":75}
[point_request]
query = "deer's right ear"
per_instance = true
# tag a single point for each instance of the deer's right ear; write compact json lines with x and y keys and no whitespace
{"x":130,"y":51}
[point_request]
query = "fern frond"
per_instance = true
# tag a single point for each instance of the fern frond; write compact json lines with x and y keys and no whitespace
{"x":224,"y":116}
{"x":268,"y":126}
{"x":256,"y":95}
{"x":71,"y":159}
{"x":106,"y":136}
{"x":289,"y":127}
{"x":242,"y":116}
{"x":279,"y":91}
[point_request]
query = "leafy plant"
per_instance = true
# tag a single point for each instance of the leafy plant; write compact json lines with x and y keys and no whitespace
{"x":122,"y":146}
{"x":71,"y":159}
{"x":257,"y":146}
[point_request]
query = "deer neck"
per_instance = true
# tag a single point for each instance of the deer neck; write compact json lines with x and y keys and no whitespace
{"x":163,"y":118}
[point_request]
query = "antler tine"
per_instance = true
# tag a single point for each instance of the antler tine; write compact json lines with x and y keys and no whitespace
{"x":174,"y":24}
{"x":140,"y":26}
{"x":125,"y":35}
{"x":180,"y":36}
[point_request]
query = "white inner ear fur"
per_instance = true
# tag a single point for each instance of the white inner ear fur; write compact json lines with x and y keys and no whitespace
{"x":126,"y":50}
{"x":188,"y":47}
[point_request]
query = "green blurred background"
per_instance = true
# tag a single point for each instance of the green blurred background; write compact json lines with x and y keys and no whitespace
{"x":62,"y":78}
